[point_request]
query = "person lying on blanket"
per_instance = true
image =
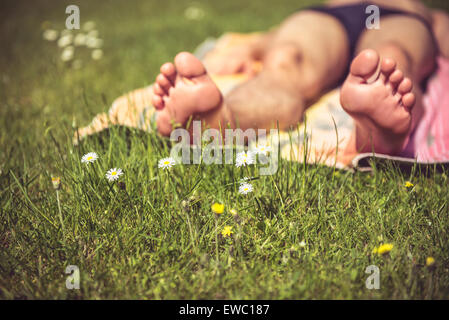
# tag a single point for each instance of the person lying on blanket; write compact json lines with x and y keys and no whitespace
{"x":312,"y":51}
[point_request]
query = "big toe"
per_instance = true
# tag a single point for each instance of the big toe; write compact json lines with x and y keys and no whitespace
{"x":187,"y":65}
{"x":364,"y":65}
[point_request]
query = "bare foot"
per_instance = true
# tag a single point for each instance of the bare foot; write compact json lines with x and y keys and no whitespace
{"x":381,"y":108}
{"x":182,"y":90}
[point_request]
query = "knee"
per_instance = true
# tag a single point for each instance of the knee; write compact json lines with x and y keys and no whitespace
{"x":440,"y":27}
{"x":395,"y":51}
{"x":283,"y":56}
{"x":440,"y":21}
{"x":416,"y":66}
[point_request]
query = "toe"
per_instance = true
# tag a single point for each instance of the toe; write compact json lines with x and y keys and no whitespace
{"x":163,"y":82}
{"x":187,"y":65}
{"x":364,"y":65}
{"x":169,"y":71}
{"x":158,"y":90}
{"x":405,"y":86}
{"x":387,"y":67}
{"x":158,"y":102}
{"x":408,"y":100}
{"x":396,"y":77}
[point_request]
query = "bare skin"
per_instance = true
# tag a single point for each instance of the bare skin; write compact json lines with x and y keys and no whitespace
{"x":299,"y":67}
{"x":368,"y":102}
{"x":240,"y":56}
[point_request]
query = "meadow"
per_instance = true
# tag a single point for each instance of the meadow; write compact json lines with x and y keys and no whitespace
{"x":307,"y":232}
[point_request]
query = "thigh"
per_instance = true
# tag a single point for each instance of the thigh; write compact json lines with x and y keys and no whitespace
{"x":411,"y":35}
{"x":322,"y":41}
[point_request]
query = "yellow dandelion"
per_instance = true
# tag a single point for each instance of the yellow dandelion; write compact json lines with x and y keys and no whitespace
{"x":384,"y":249}
{"x":430,"y":261}
{"x":227,"y":231}
{"x":408,"y":184}
{"x":217,"y":208}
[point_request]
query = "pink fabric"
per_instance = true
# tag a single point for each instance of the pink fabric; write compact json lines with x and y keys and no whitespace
{"x":430,"y":141}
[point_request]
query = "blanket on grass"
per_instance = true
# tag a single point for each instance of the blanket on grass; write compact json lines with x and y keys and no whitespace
{"x":326,"y":128}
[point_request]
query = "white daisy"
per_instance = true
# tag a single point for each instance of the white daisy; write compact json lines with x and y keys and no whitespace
{"x":244,"y":158}
{"x":80,"y":39}
{"x":302,"y":244}
{"x":245,"y":188}
{"x":89,"y":157}
{"x":92,"y":33}
{"x":50,"y":35}
{"x":262,"y":149}
{"x":66,"y":32}
{"x":67,"y":53}
{"x":97,"y":54}
{"x":114,"y":174}
{"x":94,"y":43}
{"x":194,"y":13}
{"x":166,"y":163}
{"x":243,"y":180}
{"x":89,"y":25}
{"x":65,"y":40}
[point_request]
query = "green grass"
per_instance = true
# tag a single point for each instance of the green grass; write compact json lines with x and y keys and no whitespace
{"x":153,"y":235}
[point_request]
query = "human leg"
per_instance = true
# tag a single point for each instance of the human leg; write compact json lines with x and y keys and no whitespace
{"x":440,"y":26}
{"x":307,"y":55}
{"x":386,"y":109}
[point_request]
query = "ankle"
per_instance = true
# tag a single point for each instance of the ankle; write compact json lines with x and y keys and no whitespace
{"x":219,"y":118}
